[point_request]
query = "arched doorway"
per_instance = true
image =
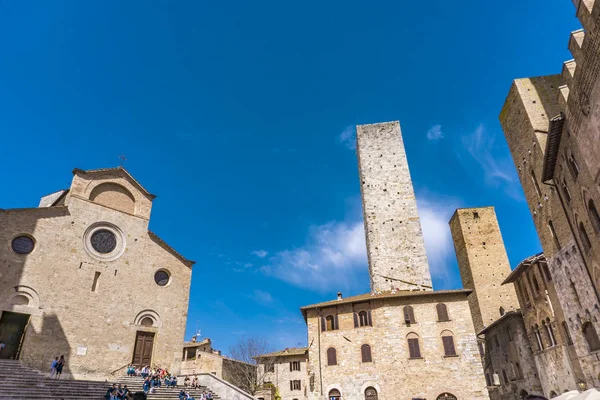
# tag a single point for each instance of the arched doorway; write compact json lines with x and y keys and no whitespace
{"x":334,"y":394}
{"x":371,"y":393}
{"x":446,"y":396}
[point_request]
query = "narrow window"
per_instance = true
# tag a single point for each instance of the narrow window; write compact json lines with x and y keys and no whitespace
{"x":295,"y":385}
{"x":331,"y":356}
{"x":448,"y":341}
{"x":409,"y":315}
{"x":95,"y":283}
{"x":365,"y":351}
{"x":565,"y":191}
{"x":504,"y":376}
{"x":594,"y":216}
{"x":364,"y":318}
{"x":295,"y":366}
{"x":585,"y":239}
{"x":546,"y":272}
{"x":413,"y":346}
{"x":550,"y":333}
{"x":442,"y":312}
{"x":538,"y":338}
{"x":567,"y":333}
{"x":591,"y":336}
{"x":330,"y":323}
{"x":523,"y":290}
{"x":487,"y":379}
{"x":553,"y":233}
{"x":536,"y":184}
{"x":536,"y":286}
{"x":573,"y":167}
{"x":496,"y":342}
{"x":518,"y":371}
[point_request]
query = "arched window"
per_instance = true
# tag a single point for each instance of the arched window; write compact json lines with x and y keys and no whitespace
{"x":553,"y":233}
{"x":442,"y":312}
{"x":364,"y":318}
{"x":585,"y":239}
{"x":591,"y":336}
{"x":573,"y":167}
{"x":594,"y":216}
{"x":371,"y":393}
{"x":331,"y":356}
{"x":329,"y":323}
{"x":365,"y":352}
{"x":550,"y":332}
{"x":114,"y":196}
{"x":565,"y":191}
{"x":536,"y":184}
{"x":334,"y":394}
{"x":538,"y":337}
{"x":446,"y":396}
{"x":414,"y":350}
{"x":448,"y":342}
{"x":409,"y":315}
{"x":567,"y":333}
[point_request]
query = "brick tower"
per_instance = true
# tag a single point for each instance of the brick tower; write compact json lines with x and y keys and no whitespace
{"x":395,"y":245}
{"x":483,"y":263}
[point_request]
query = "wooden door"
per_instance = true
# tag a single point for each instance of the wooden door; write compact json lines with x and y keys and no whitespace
{"x":142,"y":353}
{"x":12,"y":332}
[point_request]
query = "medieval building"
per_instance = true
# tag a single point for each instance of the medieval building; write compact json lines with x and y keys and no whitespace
{"x":551,"y":124}
{"x":82,"y":276}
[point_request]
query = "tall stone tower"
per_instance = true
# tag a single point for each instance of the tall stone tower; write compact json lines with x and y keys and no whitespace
{"x":483,"y":263}
{"x":395,"y":246}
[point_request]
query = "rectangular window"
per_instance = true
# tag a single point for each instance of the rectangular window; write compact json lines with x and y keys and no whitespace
{"x":295,"y":366}
{"x":523,"y":290}
{"x":553,"y":232}
{"x":413,"y":348}
{"x":295,"y":385}
{"x":95,"y":283}
{"x":449,"y":349}
{"x":546,"y":272}
{"x":270,"y":367}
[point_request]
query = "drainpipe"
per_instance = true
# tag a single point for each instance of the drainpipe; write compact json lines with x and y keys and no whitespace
{"x":319,"y":346}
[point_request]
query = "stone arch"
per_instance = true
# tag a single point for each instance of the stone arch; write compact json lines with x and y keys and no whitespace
{"x":144,"y":317}
{"x":370,"y":384}
{"x":113,"y":195}
{"x":21,"y":295}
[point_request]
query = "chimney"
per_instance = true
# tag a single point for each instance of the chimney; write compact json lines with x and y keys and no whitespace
{"x":194,"y":339}
{"x":339,"y":295}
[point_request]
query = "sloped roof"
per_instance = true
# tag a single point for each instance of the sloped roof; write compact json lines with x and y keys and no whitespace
{"x":523,"y":265}
{"x":293,"y":351}
{"x":117,"y":169}
{"x":171,"y":250}
{"x":503,"y":318}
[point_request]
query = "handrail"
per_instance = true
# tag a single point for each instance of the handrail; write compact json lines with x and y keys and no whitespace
{"x":222,"y":381}
{"x":120,"y":368}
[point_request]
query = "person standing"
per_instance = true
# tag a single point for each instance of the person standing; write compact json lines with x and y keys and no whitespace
{"x":53,"y":367}
{"x":60,"y":366}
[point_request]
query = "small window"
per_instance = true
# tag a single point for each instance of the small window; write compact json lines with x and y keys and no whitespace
{"x":23,"y":244}
{"x":365,"y":351}
{"x":409,"y":315}
{"x":538,"y":337}
{"x":553,"y":233}
{"x":550,"y":332}
{"x":442,"y":312}
{"x":565,"y":191}
{"x":504,"y":376}
{"x":413,"y":346}
{"x":331,"y":356}
{"x":329,"y":323}
{"x":270,"y":367}
{"x":518,"y":371}
{"x":295,"y":385}
{"x":523,"y":289}
{"x":573,"y":167}
{"x":536,"y":285}
{"x":334,"y":394}
{"x":448,"y":342}
{"x":446,"y":396}
{"x":488,"y":381}
{"x":162,"y":277}
{"x":585,"y":239}
{"x":546,"y":272}
{"x":567,"y":333}
{"x":591,"y":336}
{"x":364,"y":318}
{"x":295,"y":366}
{"x":536,"y":184}
{"x":594,"y":216}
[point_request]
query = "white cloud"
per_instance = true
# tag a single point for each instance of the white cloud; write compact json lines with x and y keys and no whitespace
{"x":435,"y":133}
{"x":334,"y":252}
{"x":260,"y":253}
{"x":435,"y":212}
{"x":497,"y":167}
{"x":261,"y":297}
{"x":348,"y":137}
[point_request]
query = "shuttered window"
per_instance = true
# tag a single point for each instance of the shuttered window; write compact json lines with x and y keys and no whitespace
{"x":449,"y":349}
{"x":365,"y":351}
{"x":409,"y":315}
{"x":295,"y":366}
{"x":331,"y":356}
{"x":295,"y":385}
{"x":442,"y":312}
{"x":413,"y":348}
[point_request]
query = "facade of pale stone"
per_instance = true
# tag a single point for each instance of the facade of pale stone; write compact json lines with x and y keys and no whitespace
{"x":510,"y":369}
{"x":395,"y":246}
{"x":287,"y":370}
{"x":82,"y":276}
{"x":547,"y":330}
{"x":551,"y":126}
{"x":483,"y":264}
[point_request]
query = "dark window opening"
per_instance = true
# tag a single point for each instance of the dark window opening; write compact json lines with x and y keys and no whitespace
{"x":365,"y":351}
{"x":442,"y":312}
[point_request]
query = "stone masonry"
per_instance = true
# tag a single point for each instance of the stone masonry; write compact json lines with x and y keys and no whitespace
{"x":483,"y":264}
{"x":395,"y":246}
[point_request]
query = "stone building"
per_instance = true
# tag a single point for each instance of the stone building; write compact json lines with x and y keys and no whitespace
{"x":548,"y":333}
{"x":285,"y":370}
{"x":551,"y":126}
{"x":402,"y":340}
{"x":81,"y":275}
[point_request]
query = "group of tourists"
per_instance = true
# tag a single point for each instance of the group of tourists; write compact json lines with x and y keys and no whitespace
{"x":57,"y":366}
{"x":183,"y":395}
{"x":118,"y":393}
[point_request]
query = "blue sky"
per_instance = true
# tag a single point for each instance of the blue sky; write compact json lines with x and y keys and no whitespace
{"x":240,"y":115}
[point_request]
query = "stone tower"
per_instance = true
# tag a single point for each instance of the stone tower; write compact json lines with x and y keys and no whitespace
{"x":395,"y":245}
{"x":483,"y":264}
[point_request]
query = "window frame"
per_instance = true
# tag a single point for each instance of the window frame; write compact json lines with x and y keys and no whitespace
{"x":366,"y":354}
{"x":414,"y":339}
{"x":448,"y":344}
{"x":445,"y":313}
{"x":331,"y":356}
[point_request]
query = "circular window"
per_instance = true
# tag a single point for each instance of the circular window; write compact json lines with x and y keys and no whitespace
{"x":161,"y":277}
{"x":23,"y":244}
{"x":103,"y":241}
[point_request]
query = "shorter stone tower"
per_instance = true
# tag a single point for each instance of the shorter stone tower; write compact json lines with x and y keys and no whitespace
{"x":483,"y":264}
{"x":395,"y":246}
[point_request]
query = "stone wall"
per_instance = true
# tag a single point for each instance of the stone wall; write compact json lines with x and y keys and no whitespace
{"x":88,"y":306}
{"x":395,"y":245}
{"x":392,"y":371}
{"x":483,"y":263}
{"x":283,"y":375}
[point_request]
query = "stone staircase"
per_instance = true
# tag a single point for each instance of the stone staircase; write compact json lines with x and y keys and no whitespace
{"x":20,"y":382}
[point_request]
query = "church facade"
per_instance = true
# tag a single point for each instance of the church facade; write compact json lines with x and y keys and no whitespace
{"x":82,"y":276}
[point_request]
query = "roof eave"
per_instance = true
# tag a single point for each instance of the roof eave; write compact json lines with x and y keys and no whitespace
{"x":552,"y":145}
